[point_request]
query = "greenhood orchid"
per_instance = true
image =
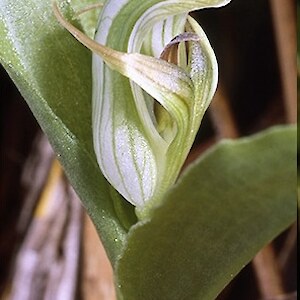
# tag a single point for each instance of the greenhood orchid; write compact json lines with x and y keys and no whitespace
{"x":154,"y":75}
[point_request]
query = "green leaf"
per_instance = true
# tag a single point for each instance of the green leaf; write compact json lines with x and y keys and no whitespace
{"x":226,"y":207}
{"x":53,"y":73}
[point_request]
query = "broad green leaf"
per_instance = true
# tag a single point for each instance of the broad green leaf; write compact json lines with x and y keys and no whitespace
{"x":224,"y":209}
{"x":53,"y":73}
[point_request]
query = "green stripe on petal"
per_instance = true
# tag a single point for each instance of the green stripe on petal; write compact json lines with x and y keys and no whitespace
{"x":150,"y":92}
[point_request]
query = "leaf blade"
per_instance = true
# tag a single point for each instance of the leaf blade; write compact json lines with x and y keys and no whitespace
{"x":193,"y":246}
{"x":56,"y":84}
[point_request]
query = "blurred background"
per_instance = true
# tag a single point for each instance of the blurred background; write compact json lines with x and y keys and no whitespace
{"x":49,"y":248}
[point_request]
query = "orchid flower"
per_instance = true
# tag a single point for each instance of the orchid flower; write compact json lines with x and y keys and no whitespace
{"x":154,"y":75}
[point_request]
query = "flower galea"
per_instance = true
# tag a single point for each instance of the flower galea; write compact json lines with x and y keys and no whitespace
{"x":154,"y":75}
